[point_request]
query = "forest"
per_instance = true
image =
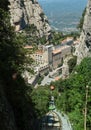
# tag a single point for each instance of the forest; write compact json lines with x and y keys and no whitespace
{"x":70,"y":96}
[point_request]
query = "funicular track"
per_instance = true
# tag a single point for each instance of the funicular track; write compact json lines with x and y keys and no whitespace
{"x":51,"y":121}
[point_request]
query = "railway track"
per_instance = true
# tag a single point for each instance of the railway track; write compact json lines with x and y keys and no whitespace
{"x":51,"y":121}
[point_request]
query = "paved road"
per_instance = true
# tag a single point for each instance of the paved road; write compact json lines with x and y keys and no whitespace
{"x":47,"y":80}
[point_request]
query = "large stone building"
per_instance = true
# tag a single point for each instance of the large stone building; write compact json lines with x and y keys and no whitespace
{"x":59,"y":54}
{"x":43,"y":59}
{"x":43,"y":55}
{"x":50,"y":56}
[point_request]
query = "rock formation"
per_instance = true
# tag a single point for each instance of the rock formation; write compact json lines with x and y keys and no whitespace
{"x":84,"y":48}
{"x":28,"y":12}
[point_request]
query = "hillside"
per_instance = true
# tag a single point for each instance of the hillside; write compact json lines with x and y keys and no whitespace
{"x":28,"y":12}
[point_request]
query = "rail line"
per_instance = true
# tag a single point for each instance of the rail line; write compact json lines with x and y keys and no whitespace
{"x":51,"y":121}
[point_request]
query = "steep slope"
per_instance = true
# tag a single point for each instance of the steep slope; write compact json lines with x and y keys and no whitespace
{"x":24,"y":12}
{"x":7,"y":121}
{"x":84,"y":48}
{"x":16,"y":107}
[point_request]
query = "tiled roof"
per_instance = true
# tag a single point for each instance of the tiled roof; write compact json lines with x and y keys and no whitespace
{"x":57,"y":78}
{"x":56,"y":51}
{"x":39,"y":52}
{"x":28,"y":47}
{"x":60,"y":49}
{"x":67,"y":40}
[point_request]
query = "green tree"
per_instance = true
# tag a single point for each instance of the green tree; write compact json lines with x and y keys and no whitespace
{"x":12,"y":53}
{"x":40,"y":97}
{"x":72,"y":63}
{"x":13,"y":59}
{"x":73,"y":94}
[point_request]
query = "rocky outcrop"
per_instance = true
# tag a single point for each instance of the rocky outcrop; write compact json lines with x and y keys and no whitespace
{"x":24,"y":12}
{"x":84,"y":48}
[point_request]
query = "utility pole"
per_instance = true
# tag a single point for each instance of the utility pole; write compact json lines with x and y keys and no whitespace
{"x":85,"y":110}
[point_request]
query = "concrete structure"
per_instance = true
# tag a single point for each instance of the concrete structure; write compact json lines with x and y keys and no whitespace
{"x":57,"y":58}
{"x":29,"y":78}
{"x":42,"y":69}
{"x":49,"y":51}
{"x":46,"y":58}
{"x":43,"y":55}
{"x":43,"y":58}
{"x":67,"y":41}
{"x":59,"y":54}
{"x":39,"y":57}
{"x":51,"y":121}
{"x":50,"y":56}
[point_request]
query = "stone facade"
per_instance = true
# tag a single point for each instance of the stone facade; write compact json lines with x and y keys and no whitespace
{"x":43,"y":55}
{"x":59,"y":54}
{"x":57,"y":58}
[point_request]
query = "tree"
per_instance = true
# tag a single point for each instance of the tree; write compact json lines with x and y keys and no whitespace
{"x":40,"y":97}
{"x":13,"y":60}
{"x":73,"y":90}
{"x":12,"y":53}
{"x":72,"y":63}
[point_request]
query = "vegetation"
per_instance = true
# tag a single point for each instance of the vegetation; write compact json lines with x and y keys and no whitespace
{"x":31,"y":36}
{"x":70,"y":95}
{"x":72,"y":63}
{"x":42,"y":16}
{"x":58,"y":37}
{"x":41,"y":97}
{"x":13,"y":60}
{"x":40,"y":79}
{"x":73,"y":95}
{"x":27,"y":103}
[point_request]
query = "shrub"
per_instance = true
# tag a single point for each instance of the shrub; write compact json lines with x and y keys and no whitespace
{"x":72,"y":63}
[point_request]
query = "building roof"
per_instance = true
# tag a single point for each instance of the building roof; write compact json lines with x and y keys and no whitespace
{"x":57,"y":78}
{"x":48,"y":46}
{"x":28,"y":47}
{"x":40,"y":52}
{"x":59,"y":50}
{"x":67,"y":40}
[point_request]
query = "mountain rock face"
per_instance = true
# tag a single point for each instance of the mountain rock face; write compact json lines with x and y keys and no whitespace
{"x":84,"y":48}
{"x":28,"y":12}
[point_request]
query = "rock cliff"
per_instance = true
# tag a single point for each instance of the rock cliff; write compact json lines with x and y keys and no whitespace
{"x":28,"y":12}
{"x":84,"y":48}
